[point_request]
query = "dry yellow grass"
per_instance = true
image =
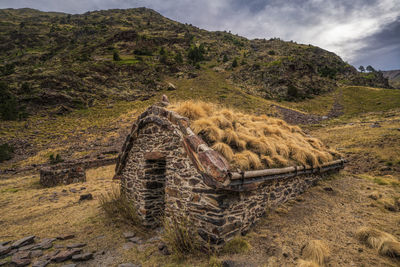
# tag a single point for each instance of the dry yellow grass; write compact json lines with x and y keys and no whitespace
{"x":383,"y":242}
{"x":253,"y":142}
{"x":303,"y":263}
{"x":316,"y":251}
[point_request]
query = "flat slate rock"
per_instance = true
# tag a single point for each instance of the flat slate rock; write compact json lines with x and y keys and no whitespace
{"x":4,"y":243}
{"x":21,"y":258}
{"x":66,"y":255}
{"x":23,"y":242}
{"x":41,"y":263}
{"x":65,"y":237}
{"x":69,"y":265}
{"x":83,"y":257}
{"x":4,"y":250}
{"x":76,"y":245}
{"x":129,"y":234}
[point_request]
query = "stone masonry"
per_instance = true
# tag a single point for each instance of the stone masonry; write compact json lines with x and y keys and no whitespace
{"x":160,"y":175}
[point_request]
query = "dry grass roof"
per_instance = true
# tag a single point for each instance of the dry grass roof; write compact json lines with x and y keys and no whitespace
{"x":253,"y":142}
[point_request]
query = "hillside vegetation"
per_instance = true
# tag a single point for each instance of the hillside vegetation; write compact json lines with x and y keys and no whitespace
{"x":61,"y":61}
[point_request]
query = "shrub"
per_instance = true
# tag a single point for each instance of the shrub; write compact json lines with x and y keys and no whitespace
{"x":26,"y":88}
{"x":271,"y":52}
{"x":196,"y":53}
{"x":8,"y":104}
{"x":178,"y":58}
{"x":56,"y":159}
{"x":7,"y":69}
{"x":6,"y":152}
{"x":225,"y":59}
{"x":162,"y":51}
{"x":234,"y":63}
{"x":236,"y":245}
{"x":181,"y":235}
{"x":116,"y":56}
{"x":119,"y":208}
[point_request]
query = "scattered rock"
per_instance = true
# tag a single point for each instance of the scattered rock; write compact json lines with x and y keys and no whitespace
{"x":4,"y":243}
{"x":83,"y":188}
{"x":3,"y":263}
{"x":136,"y":240}
{"x":86,"y":197}
{"x":129,"y":235}
{"x":76,"y":245}
{"x":128,"y":246}
{"x":21,"y":258}
{"x":83,"y":257}
{"x":66,"y":237}
{"x":4,"y":250}
{"x":46,"y":243}
{"x":28,"y":247}
{"x":66,"y":255}
{"x":324,"y":117}
{"x":375,"y":195}
{"x":51,"y":255}
{"x":73,"y":190}
{"x":328,"y":189}
{"x":59,"y":246}
{"x":41,"y":263}
{"x":171,"y":87}
{"x":69,"y":265}
{"x":375,"y":125}
{"x":23,"y":242}
{"x":36,"y":253}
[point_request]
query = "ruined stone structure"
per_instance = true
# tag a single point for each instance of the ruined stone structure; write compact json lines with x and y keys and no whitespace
{"x":70,"y":172}
{"x":165,"y":169}
{"x":51,"y":177}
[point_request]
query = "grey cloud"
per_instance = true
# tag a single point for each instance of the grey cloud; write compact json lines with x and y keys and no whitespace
{"x":344,"y":27}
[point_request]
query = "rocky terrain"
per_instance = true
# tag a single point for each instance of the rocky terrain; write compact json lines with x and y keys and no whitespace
{"x":62,"y":61}
{"x":394,"y":77}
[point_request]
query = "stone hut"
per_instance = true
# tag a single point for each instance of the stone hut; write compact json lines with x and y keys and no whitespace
{"x":167,"y":170}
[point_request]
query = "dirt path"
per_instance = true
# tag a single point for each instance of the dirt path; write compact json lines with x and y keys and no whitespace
{"x":294,"y":117}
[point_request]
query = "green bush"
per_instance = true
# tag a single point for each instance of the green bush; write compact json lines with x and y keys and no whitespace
{"x":196,"y":53}
{"x":225,"y":59}
{"x":234,"y":63}
{"x":143,"y":52}
{"x":178,"y":58}
{"x":56,"y":159}
{"x":6,"y":152}
{"x":271,"y":52}
{"x":116,"y":56}
{"x":8,"y":104}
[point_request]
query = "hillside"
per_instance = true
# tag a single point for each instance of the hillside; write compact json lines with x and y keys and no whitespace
{"x":61,"y":61}
{"x":393,"y":76}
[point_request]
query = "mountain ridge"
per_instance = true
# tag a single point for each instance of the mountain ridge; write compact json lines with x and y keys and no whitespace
{"x":51,"y":59}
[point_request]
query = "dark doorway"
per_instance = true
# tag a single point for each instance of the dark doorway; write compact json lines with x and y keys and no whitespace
{"x":154,"y":195}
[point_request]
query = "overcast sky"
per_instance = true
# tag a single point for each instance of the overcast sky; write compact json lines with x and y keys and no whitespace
{"x":363,"y":32}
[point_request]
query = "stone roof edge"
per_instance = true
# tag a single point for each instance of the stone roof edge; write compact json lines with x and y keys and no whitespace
{"x":211,"y":164}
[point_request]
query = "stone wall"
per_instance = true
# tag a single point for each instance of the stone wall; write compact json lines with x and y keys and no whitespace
{"x":70,"y":172}
{"x":160,"y":177}
{"x":52,"y":177}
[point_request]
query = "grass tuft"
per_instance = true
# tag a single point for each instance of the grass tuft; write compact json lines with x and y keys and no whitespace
{"x":252,"y":142}
{"x":303,"y":263}
{"x":118,"y":207}
{"x":236,"y":245}
{"x":316,"y":251}
{"x":181,"y":236}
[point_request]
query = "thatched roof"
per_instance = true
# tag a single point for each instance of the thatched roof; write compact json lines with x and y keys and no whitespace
{"x":217,"y":171}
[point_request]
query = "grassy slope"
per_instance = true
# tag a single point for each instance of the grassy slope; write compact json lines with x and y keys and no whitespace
{"x":351,"y":133}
